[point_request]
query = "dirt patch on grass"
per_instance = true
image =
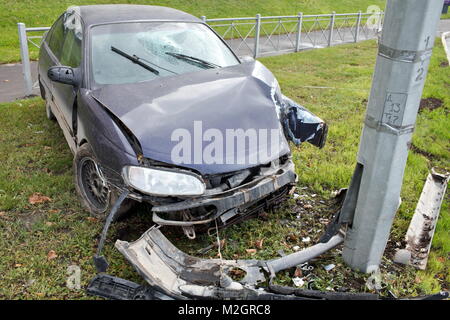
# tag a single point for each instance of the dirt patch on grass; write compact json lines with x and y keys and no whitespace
{"x":133,"y":224}
{"x":430,"y":103}
{"x":30,"y":218}
{"x":424,"y":153}
{"x":443,"y":64}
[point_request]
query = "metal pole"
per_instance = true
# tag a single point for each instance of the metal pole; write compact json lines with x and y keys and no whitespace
{"x":299,"y":32}
{"x":203,"y":19}
{"x":358,"y":24}
{"x":402,"y":64}
{"x":257,"y":32}
{"x":330,"y":36}
{"x":26,"y":70}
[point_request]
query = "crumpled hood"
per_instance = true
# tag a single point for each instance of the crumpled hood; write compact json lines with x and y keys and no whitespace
{"x":237,"y":97}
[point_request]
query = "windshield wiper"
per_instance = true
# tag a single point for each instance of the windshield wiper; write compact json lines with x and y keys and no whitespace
{"x":193,"y":59}
{"x":135,"y":59}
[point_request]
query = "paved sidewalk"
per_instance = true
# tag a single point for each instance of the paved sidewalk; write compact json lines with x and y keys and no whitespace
{"x":444,"y":25}
{"x":11,"y":78}
{"x":282,"y":44}
{"x":11,"y":81}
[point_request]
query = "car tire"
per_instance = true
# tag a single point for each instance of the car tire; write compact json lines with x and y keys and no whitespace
{"x":98,"y":197}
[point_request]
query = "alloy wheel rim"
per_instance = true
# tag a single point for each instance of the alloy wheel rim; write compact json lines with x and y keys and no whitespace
{"x":94,"y":186}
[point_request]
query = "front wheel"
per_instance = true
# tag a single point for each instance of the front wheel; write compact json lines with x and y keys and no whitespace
{"x":95,"y":192}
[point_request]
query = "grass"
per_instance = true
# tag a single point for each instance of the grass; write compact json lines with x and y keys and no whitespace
{"x":38,"y":13}
{"x":35,"y":158}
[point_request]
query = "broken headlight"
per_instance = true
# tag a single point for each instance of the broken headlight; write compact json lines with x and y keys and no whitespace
{"x":163,"y":182}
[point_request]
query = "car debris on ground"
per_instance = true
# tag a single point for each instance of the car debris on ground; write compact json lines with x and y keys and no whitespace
{"x":423,"y":223}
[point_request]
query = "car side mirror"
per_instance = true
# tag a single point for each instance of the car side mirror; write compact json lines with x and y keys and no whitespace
{"x":246,"y":59}
{"x":62,"y":74}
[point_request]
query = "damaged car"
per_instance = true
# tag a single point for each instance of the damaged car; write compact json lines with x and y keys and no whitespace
{"x":123,"y":80}
{"x":158,"y":109}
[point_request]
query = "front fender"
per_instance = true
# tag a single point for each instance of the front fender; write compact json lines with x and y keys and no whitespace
{"x":108,"y":142}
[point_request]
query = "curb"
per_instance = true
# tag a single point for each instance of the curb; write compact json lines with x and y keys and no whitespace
{"x":444,"y":43}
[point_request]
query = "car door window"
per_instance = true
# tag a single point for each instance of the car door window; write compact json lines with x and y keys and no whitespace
{"x":65,"y":39}
{"x":71,"y":51}
{"x":73,"y":33}
{"x":56,"y":37}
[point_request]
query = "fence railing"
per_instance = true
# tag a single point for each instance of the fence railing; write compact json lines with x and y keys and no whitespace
{"x":24,"y":52}
{"x":258,"y":36}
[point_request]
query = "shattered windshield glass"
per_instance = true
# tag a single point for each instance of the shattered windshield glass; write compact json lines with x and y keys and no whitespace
{"x":169,"y":47}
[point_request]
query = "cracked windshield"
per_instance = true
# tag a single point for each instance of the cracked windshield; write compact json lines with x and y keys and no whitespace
{"x":135,"y":52}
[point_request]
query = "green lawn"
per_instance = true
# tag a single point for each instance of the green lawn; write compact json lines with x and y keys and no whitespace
{"x":35,"y":158}
{"x":37,"y":13}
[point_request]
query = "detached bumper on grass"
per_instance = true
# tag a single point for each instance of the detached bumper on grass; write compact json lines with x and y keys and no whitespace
{"x":173,"y":275}
{"x":181,"y":276}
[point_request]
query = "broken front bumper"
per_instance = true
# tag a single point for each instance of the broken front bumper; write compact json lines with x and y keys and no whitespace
{"x":231,"y":204}
{"x":177,"y":275}
{"x":172,"y":274}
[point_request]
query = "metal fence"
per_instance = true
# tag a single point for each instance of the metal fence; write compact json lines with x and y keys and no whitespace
{"x":258,"y":36}
{"x":24,"y":52}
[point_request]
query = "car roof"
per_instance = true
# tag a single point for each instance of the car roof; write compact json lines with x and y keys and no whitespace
{"x":109,"y":13}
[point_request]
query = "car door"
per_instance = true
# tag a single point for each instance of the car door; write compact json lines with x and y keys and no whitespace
{"x":45,"y":62}
{"x":65,"y":45}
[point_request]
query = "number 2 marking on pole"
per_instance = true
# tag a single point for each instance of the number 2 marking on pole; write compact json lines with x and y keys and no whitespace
{"x":420,"y":73}
{"x":427,"y":42}
{"x":421,"y":70}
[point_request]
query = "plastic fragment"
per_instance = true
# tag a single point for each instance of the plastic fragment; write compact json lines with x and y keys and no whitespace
{"x":329,"y":267}
{"x":298,"y":282}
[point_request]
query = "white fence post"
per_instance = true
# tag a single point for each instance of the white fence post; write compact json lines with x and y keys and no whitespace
{"x":358,"y":23}
{"x":299,"y":32}
{"x":24,"y":55}
{"x":257,"y":33}
{"x":330,"y":36}
{"x":380,"y":21}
